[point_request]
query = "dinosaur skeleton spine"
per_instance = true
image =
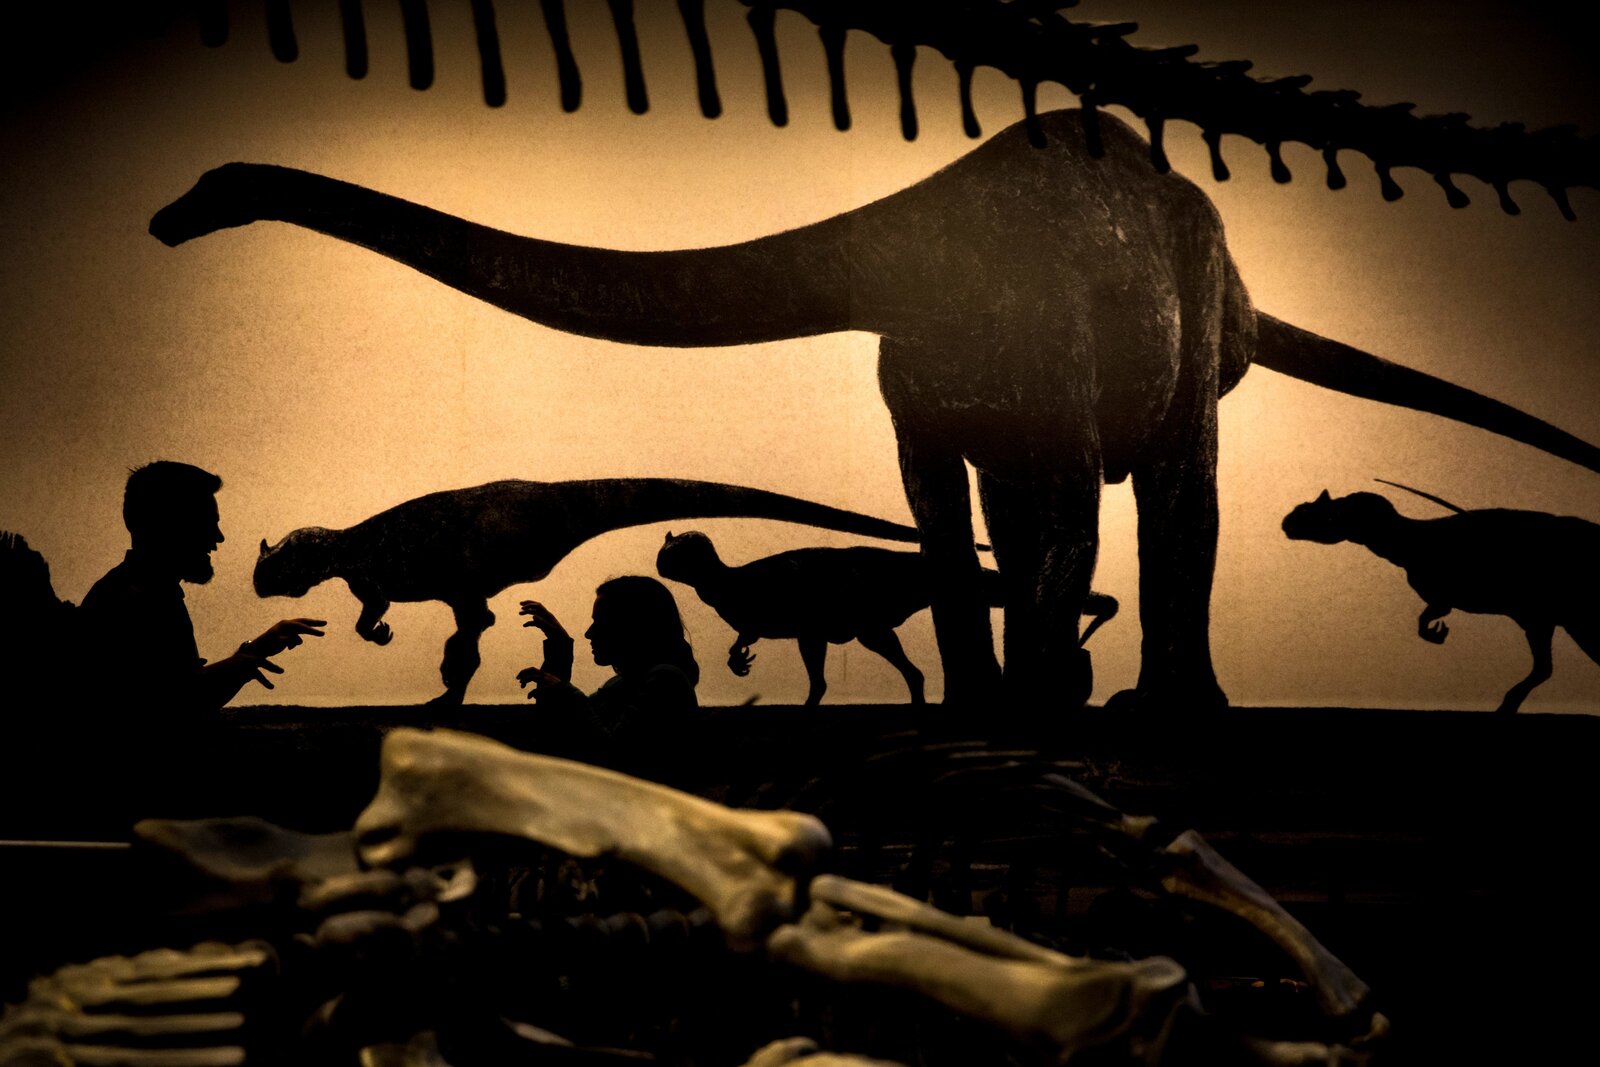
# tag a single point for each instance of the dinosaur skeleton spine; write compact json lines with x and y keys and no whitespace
{"x":1032,"y":43}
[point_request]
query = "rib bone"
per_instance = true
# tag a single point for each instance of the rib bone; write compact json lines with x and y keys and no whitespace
{"x":741,"y":864}
{"x":165,"y":1007}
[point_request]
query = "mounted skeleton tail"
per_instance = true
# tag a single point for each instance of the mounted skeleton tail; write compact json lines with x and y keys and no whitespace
{"x":1302,"y":354}
{"x":1034,"y":44}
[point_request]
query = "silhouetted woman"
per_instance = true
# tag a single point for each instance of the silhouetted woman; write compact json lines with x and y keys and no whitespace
{"x":638,"y":633}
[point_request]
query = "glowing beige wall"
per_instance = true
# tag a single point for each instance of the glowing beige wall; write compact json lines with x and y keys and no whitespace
{"x":326,"y":383}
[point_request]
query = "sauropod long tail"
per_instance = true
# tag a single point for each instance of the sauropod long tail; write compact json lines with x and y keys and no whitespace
{"x":1312,"y":358}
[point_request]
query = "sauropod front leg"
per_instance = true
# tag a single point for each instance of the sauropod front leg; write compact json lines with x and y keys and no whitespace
{"x":1539,"y":635}
{"x":1429,"y":628}
{"x":741,"y":864}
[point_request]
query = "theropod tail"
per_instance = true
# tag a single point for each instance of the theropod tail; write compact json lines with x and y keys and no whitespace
{"x":1311,"y":358}
{"x":1441,"y":501}
{"x":605,"y":504}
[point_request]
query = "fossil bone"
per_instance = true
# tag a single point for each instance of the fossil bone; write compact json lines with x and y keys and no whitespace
{"x":1039,"y":997}
{"x":741,"y":864}
{"x":803,"y":1052}
{"x":120,"y":1011}
{"x":1194,"y":870}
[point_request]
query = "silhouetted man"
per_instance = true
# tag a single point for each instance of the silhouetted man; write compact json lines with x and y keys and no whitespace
{"x":135,"y":616}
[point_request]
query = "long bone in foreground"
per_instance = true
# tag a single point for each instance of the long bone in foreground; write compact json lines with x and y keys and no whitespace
{"x":751,"y":868}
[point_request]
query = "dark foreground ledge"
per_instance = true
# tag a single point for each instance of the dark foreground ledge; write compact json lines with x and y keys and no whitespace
{"x":1444,"y":855}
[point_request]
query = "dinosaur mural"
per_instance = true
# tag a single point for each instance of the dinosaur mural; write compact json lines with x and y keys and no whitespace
{"x":1100,"y":354}
{"x":462,"y":546}
{"x":823,"y":596}
{"x":1032,"y":43}
{"x":1535,"y":568}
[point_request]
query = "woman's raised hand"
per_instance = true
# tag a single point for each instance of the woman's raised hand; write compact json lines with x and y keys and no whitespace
{"x":541,"y":618}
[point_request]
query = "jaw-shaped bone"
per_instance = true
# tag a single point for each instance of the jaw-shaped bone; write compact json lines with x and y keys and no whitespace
{"x":740,"y":864}
{"x":1039,"y":997}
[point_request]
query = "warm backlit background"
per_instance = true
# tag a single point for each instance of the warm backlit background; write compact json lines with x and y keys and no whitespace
{"x":325,"y":383}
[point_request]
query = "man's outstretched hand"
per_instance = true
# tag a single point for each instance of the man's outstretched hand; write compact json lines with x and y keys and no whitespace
{"x":281,"y":635}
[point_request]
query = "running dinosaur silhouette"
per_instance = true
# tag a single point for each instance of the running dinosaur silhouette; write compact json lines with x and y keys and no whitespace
{"x":823,"y":596}
{"x":462,"y":546}
{"x":1535,"y":568}
{"x":1052,"y":317}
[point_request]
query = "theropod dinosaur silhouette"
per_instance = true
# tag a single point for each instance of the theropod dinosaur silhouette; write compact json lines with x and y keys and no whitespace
{"x":823,"y":596}
{"x":1052,"y":317}
{"x":1538,"y":569}
{"x":462,"y":546}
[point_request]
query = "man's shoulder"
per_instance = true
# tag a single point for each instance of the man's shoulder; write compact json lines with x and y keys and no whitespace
{"x":124,"y":586}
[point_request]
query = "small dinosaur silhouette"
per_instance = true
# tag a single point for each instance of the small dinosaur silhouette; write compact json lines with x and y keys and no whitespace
{"x":1536,"y":568}
{"x":823,"y":596}
{"x":462,"y":546}
{"x":1054,"y":317}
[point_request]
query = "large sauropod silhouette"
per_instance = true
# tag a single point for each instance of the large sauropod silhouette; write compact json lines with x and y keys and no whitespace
{"x":1536,"y":568}
{"x":462,"y":546}
{"x":1053,"y":318}
{"x":822,"y":596}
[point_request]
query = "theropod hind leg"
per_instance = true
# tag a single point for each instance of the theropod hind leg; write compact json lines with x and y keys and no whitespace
{"x":1539,"y":635}
{"x":886,"y":643}
{"x":814,"y":653}
{"x":461,"y":657}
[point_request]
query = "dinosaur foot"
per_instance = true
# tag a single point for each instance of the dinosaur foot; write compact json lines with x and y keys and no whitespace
{"x":450,"y":698}
{"x":1168,"y":700}
{"x":218,"y":201}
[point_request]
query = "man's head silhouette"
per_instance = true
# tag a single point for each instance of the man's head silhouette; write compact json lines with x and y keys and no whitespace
{"x":170,"y":510}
